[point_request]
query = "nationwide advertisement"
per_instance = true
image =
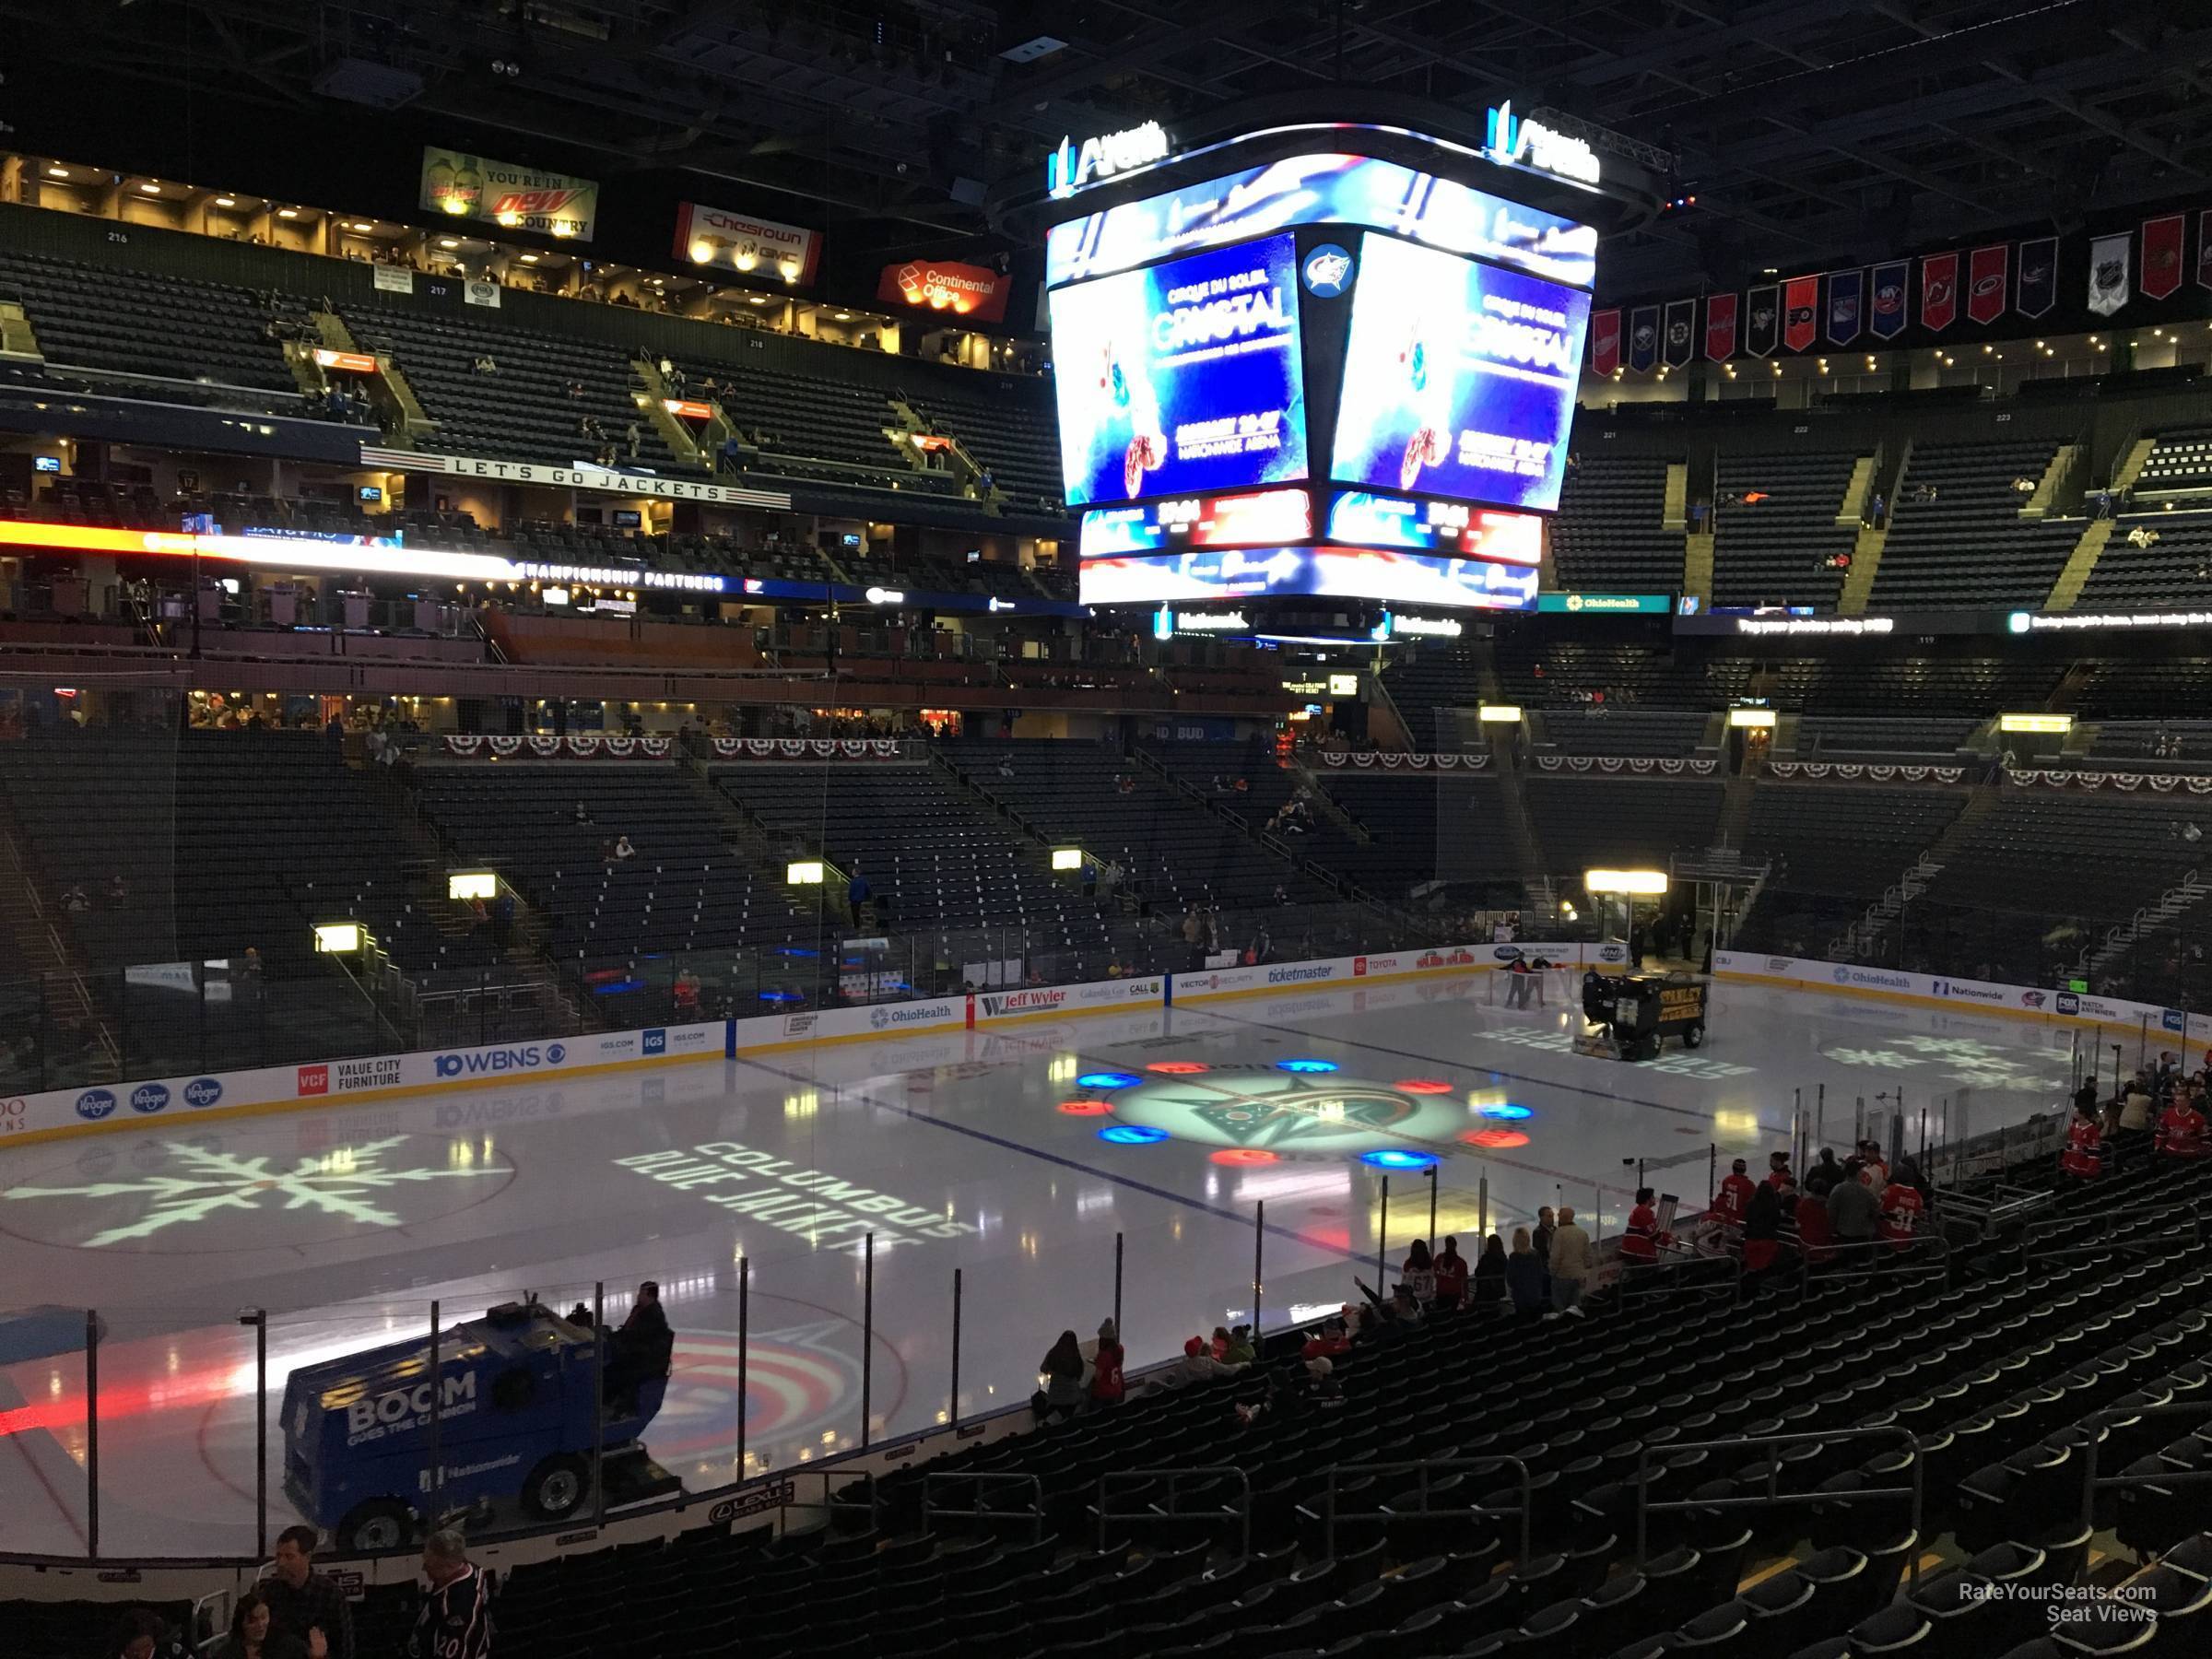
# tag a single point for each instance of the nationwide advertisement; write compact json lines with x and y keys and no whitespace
{"x":1459,"y":379}
{"x":1184,"y":377}
{"x":747,"y":243}
{"x":1359,"y":515}
{"x":462,"y":186}
{"x":1258,"y":519}
{"x":1353,"y":190}
{"x":1417,"y":579}
{"x":973,"y":293}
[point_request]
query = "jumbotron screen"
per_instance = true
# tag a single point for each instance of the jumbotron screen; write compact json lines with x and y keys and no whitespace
{"x":1182,"y":378}
{"x":1459,"y":378}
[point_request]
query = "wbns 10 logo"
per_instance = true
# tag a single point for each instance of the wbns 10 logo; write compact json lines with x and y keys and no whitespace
{"x":493,"y":1062}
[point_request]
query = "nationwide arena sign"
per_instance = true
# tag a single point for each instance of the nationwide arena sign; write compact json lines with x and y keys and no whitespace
{"x":1075,"y":167}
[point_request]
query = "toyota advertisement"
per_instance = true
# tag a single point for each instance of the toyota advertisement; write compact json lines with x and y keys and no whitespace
{"x":1183,"y":378}
{"x":1459,"y":379}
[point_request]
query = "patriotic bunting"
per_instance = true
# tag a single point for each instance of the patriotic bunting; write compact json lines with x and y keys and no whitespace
{"x":1720,"y":328}
{"x":2036,"y":290}
{"x":1762,"y":320}
{"x":1844,"y":290}
{"x":1644,"y":338}
{"x":1800,"y":302}
{"x":1985,"y":282}
{"x":2107,"y":273}
{"x":1938,"y":289}
{"x":2161,"y":256}
{"x":1605,"y":341}
{"x":1681,"y":333}
{"x":1886,"y":318}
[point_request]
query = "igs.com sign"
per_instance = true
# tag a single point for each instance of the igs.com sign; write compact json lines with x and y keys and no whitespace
{"x":496,"y":1061}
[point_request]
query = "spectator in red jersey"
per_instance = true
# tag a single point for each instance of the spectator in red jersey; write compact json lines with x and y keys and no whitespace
{"x":1778,"y":1169}
{"x":1418,"y":1275}
{"x":1333,"y":1341}
{"x":1816,"y":1233}
{"x":1640,"y":1244}
{"x":1450,"y":1276}
{"x":1106,"y":1384}
{"x":1735,"y":1196}
{"x":1762,"y":1230}
{"x":2182,"y":1128}
{"x":2084,"y":1155}
{"x":1902,"y":1209}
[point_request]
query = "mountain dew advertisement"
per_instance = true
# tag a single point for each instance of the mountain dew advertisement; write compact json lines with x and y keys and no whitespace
{"x":461,"y":185}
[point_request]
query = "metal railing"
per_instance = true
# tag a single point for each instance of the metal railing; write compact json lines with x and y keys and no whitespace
{"x":1112,"y":1477}
{"x":977,"y":1480}
{"x":1441,"y":1466}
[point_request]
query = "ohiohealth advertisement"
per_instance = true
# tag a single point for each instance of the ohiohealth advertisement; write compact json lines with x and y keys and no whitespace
{"x":1182,"y":378}
{"x":1459,"y":379}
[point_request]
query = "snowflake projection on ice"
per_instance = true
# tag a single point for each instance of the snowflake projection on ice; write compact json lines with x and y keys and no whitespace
{"x":202,"y":1185}
{"x":1977,"y":1065}
{"x":1673,"y":1064}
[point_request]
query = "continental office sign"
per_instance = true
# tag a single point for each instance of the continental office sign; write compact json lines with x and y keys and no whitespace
{"x":1588,"y":605}
{"x":462,"y":186}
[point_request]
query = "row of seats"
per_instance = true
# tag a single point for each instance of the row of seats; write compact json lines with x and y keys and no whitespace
{"x":1968,"y":546}
{"x":1775,"y":539}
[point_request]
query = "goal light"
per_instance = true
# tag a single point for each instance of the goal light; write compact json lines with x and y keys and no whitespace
{"x":1501,"y":714}
{"x":1639,"y":884}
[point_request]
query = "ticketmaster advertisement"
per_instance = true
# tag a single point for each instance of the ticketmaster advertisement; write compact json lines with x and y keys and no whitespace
{"x":1459,"y":379}
{"x":1183,"y":378}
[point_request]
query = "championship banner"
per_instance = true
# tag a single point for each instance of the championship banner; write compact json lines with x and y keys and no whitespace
{"x":1644,"y":338}
{"x":1938,"y":289}
{"x":1605,"y":341}
{"x":1681,"y":331}
{"x":744,"y":243}
{"x":1844,"y":290}
{"x":1720,"y":326}
{"x":1763,"y":318}
{"x":516,"y":198}
{"x":2162,"y":256}
{"x":1800,"y":305}
{"x":975,"y":292}
{"x":2204,"y":248}
{"x":1888,"y":318}
{"x":1985,"y":274}
{"x":2107,"y":273}
{"x":2036,"y":288}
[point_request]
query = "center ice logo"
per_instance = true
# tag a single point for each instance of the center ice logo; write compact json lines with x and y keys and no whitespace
{"x":1264,"y":1108}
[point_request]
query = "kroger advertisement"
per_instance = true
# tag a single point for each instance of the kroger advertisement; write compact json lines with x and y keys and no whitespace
{"x":1182,"y":378}
{"x":1335,"y":572}
{"x":1459,"y":379}
{"x":1323,"y":189}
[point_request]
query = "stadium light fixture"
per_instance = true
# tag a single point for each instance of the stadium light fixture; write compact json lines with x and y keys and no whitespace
{"x":472,"y":884}
{"x":1760,"y":720}
{"x":2055,"y":723}
{"x":1067,"y":858}
{"x":806,"y":872}
{"x":57,"y":172}
{"x":337,"y":937}
{"x":1499,"y":714}
{"x":1638,"y":884}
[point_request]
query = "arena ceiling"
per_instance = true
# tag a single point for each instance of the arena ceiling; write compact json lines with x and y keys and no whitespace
{"x":1809,"y":130}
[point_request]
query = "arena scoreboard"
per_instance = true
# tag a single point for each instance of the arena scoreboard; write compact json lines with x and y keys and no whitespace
{"x":1345,"y":369}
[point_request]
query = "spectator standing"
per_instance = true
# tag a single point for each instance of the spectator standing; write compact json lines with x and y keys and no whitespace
{"x":253,"y":1635}
{"x":1762,"y":1230}
{"x":1063,"y":1369}
{"x":303,"y":1602}
{"x":1901,"y":1207}
{"x":2084,"y":1155}
{"x":1490,"y":1287}
{"x":1418,"y":1275}
{"x":1821,"y":1180}
{"x":2182,"y":1128}
{"x":1106,"y":1382}
{"x":1735,"y":1196}
{"x":1570,"y":1263}
{"x":143,"y":1634}
{"x":455,"y":1621}
{"x":1450,"y":1276}
{"x":633,"y":439}
{"x":1778,"y":1169}
{"x":1639,"y":1243}
{"x":1852,"y":1208}
{"x":858,"y":893}
{"x":1874,"y":1168}
{"x":1524,"y":1276}
{"x":1540,"y":1242}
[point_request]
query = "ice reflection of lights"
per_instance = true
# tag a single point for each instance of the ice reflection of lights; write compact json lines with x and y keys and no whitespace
{"x":1398,"y":1158}
{"x":1062,"y":1068}
{"x":1108,"y":1079}
{"x":1240,"y":1154}
{"x":1132,"y":1135}
{"x":1737,"y":1122}
{"x":1305,"y":1065}
{"x":1504,"y":1110}
{"x":1085,"y":1108}
{"x":1092,"y":1201}
{"x":1179,"y":1068}
{"x":1299,"y":1180}
{"x":1422,"y":1085}
{"x":1495,"y":1139}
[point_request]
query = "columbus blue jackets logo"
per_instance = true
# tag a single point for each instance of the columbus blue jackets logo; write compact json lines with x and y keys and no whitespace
{"x":1327,"y":271}
{"x":2034,"y":276}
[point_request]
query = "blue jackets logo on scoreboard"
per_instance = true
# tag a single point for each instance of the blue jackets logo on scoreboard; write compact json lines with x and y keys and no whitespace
{"x":1327,"y":271}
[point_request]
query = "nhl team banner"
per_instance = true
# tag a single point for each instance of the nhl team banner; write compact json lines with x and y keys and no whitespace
{"x":2107,"y":273}
{"x":1845,"y":289}
{"x":1985,"y":274}
{"x":2204,"y":248}
{"x":1644,"y":338}
{"x":1605,"y":341}
{"x":2035,"y":291}
{"x":518,"y":198}
{"x":1938,"y":289}
{"x":1720,"y":326}
{"x":1800,"y":306}
{"x":1681,"y":333}
{"x":1886,"y":314}
{"x":2162,"y":255}
{"x":1762,"y":316}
